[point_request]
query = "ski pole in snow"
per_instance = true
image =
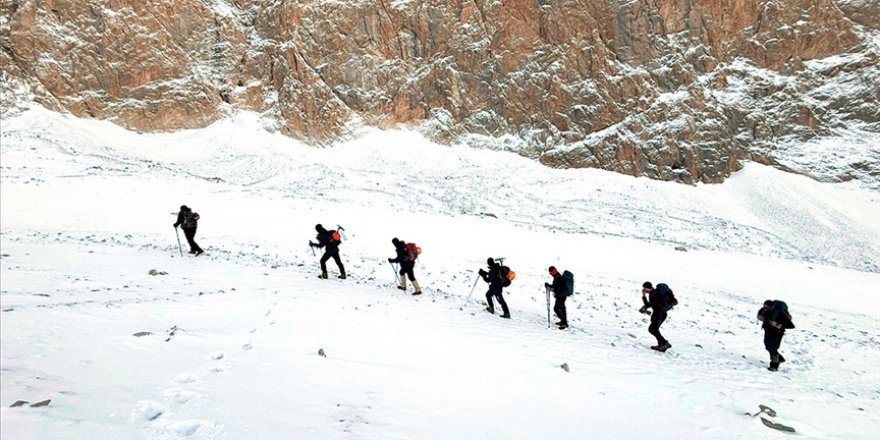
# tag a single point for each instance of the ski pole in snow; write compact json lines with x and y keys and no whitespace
{"x":549,"y":320}
{"x":472,"y":292}
{"x":178,"y":241}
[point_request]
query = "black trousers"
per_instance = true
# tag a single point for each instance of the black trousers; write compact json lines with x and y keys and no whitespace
{"x":190,"y":234}
{"x":497,"y":294}
{"x":772,"y":341}
{"x":331,"y":253}
{"x":657,"y":319}
{"x":406,"y":268}
{"x":559,"y":308}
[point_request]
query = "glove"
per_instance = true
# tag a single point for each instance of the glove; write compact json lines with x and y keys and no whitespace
{"x":547,"y":285}
{"x":482,"y":272}
{"x":391,"y":260}
{"x":644,"y":310}
{"x":175,"y":225}
{"x":312,"y":244}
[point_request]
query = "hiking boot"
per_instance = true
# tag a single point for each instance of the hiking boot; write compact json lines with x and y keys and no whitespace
{"x":664,"y":347}
{"x":559,"y":323}
{"x":655,"y":347}
{"x":417,"y":293}
{"x":563,"y":326}
{"x":341,"y":277}
{"x":506,"y":316}
{"x":774,"y":366}
{"x":490,"y":310}
{"x":199,"y":252}
{"x":323,"y":276}
{"x":403,"y":288}
{"x":192,"y":252}
{"x":781,"y":359}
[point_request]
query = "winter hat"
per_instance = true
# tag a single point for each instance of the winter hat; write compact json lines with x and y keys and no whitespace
{"x":184,"y":208}
{"x":395,"y":241}
{"x":647,"y":285}
{"x":319,"y":228}
{"x":553,"y":270}
{"x":491,"y":261}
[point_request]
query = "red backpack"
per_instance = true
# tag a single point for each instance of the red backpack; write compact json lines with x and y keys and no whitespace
{"x":412,"y":251}
{"x":334,"y":235}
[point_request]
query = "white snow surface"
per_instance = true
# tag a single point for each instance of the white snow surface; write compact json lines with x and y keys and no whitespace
{"x":233,"y":335}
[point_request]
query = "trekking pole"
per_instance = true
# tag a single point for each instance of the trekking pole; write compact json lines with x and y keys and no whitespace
{"x":313,"y":250}
{"x":549,"y":320}
{"x":178,"y":241}
{"x":394,"y":268}
{"x":472,"y":292}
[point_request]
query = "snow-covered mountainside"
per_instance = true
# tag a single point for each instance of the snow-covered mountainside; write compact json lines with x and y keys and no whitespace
{"x":225,"y":345}
{"x":673,"y":90}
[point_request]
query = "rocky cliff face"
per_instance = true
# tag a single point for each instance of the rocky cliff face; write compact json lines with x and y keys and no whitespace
{"x":672,"y":89}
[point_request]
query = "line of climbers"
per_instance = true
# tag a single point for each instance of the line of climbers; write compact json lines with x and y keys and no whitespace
{"x":773,"y":314}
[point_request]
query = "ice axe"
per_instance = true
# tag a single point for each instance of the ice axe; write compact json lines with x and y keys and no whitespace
{"x":341,"y":231}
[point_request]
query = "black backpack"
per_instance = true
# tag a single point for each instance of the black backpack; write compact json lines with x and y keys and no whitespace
{"x":505,"y":275}
{"x":335,"y":237}
{"x":779,"y":316}
{"x":568,"y":277}
{"x":668,"y":297}
{"x":190,"y":220}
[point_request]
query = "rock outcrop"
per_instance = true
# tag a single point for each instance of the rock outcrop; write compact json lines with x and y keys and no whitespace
{"x":672,"y":89}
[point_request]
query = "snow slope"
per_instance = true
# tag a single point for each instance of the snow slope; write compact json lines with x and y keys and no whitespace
{"x":85,"y":209}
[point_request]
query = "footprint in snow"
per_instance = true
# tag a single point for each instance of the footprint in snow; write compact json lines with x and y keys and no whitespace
{"x":184,"y":378}
{"x":179,"y":395}
{"x":148,"y":410}
{"x":187,"y":428}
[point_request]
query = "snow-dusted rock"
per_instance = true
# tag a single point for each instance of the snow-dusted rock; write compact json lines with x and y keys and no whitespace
{"x":671,"y":90}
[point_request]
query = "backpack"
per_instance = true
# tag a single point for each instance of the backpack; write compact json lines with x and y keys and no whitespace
{"x":190,"y":220}
{"x":506,"y":275}
{"x":335,"y":237}
{"x":779,"y":316}
{"x":412,"y":252}
{"x":568,"y":277}
{"x":668,"y":297}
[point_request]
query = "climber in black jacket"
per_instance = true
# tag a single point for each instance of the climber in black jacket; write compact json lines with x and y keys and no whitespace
{"x":331,"y":250}
{"x":659,"y":300}
{"x":776,"y":320}
{"x":407,"y":265}
{"x":493,"y":277}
